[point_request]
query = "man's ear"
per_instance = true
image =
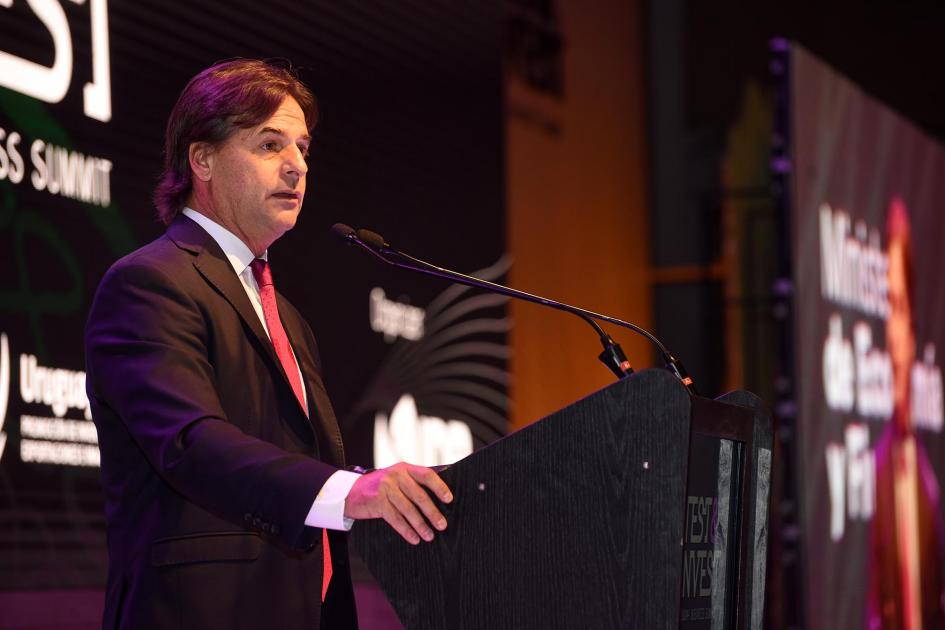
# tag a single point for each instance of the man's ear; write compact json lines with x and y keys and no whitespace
{"x":200,"y":155}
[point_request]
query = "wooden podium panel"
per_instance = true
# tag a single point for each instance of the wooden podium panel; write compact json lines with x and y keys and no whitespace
{"x":577,"y":520}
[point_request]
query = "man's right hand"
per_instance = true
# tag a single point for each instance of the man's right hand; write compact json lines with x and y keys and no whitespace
{"x":396,"y":494}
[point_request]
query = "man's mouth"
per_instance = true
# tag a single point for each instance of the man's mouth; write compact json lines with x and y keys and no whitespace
{"x":287,"y":195}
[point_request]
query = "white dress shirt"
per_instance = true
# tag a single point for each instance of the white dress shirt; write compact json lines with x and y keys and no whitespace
{"x":329,"y":507}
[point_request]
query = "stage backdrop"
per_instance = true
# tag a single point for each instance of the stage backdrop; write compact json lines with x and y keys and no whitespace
{"x":409,"y":144}
{"x":862,"y":174}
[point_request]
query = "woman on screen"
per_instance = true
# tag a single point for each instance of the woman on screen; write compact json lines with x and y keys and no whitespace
{"x":906,"y":571}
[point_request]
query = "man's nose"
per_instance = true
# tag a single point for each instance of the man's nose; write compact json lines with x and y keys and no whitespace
{"x":295,"y":162}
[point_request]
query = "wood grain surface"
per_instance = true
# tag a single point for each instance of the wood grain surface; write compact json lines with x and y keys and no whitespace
{"x":575,"y":521}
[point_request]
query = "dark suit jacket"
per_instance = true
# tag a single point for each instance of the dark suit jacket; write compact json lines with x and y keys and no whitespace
{"x":209,"y":464}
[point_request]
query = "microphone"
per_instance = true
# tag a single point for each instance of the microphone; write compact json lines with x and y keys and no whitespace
{"x":612,"y":356}
{"x":344,"y":232}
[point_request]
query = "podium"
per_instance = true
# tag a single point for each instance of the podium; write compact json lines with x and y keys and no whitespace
{"x":640,"y":506}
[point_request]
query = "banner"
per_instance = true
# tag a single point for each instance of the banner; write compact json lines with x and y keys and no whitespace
{"x":868,"y":230}
{"x":409,"y":144}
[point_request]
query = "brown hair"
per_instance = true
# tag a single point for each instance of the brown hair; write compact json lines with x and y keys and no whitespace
{"x":898,"y":230}
{"x":230,"y":95}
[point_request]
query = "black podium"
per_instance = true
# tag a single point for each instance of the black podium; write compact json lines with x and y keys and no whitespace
{"x":639,"y":506}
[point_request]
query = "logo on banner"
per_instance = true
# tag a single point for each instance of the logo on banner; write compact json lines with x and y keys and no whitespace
{"x":48,"y":439}
{"x":442,"y":383}
{"x":395,"y":319}
{"x":424,"y":440}
{"x":4,"y":387}
{"x":51,"y":83}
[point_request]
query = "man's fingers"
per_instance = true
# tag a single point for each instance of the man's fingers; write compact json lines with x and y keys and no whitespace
{"x":396,"y":520}
{"x":429,"y":478}
{"x":409,"y":511}
{"x":397,"y":495}
{"x":422,"y":500}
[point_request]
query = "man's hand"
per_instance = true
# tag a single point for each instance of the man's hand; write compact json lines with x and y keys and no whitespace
{"x":395,"y":494}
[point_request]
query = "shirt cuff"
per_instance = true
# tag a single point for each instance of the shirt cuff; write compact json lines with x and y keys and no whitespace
{"x":328,"y":511}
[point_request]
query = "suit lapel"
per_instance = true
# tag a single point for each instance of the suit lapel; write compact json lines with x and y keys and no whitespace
{"x":320,"y":410}
{"x":212,"y":264}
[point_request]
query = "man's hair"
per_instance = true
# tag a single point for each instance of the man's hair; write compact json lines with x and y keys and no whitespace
{"x":231,"y":95}
{"x":898,"y":230}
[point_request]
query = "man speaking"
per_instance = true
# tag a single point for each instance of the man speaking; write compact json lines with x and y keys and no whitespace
{"x":222,"y":461}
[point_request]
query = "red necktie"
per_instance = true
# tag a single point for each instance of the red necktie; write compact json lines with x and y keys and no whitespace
{"x":267,"y":296}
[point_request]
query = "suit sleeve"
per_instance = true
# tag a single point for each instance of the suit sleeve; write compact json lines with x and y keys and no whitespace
{"x":147,"y":361}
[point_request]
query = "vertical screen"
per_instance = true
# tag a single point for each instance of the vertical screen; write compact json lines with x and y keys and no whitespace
{"x":868,"y":227}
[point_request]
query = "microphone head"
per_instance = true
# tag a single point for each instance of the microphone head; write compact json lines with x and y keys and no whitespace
{"x":342,"y":231}
{"x":372,"y":238}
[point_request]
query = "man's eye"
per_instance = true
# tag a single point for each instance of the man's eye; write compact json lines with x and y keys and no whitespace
{"x":270,"y":146}
{"x":303,"y":150}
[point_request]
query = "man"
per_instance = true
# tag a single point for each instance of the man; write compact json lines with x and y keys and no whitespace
{"x":907,"y":580}
{"x":221,"y":455}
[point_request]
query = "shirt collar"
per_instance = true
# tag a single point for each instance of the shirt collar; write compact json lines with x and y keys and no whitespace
{"x":235,"y":250}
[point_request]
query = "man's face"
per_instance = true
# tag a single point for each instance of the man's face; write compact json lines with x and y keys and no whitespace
{"x":257,"y":177}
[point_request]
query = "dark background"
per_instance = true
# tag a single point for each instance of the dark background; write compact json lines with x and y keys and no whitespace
{"x":409,"y":144}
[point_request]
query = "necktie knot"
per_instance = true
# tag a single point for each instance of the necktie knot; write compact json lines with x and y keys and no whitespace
{"x":261,"y":272}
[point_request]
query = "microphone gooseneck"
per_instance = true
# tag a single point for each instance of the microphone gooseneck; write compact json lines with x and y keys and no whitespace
{"x":612,"y":355}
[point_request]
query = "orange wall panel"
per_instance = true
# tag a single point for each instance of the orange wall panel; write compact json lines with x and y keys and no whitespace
{"x":576,"y":208}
